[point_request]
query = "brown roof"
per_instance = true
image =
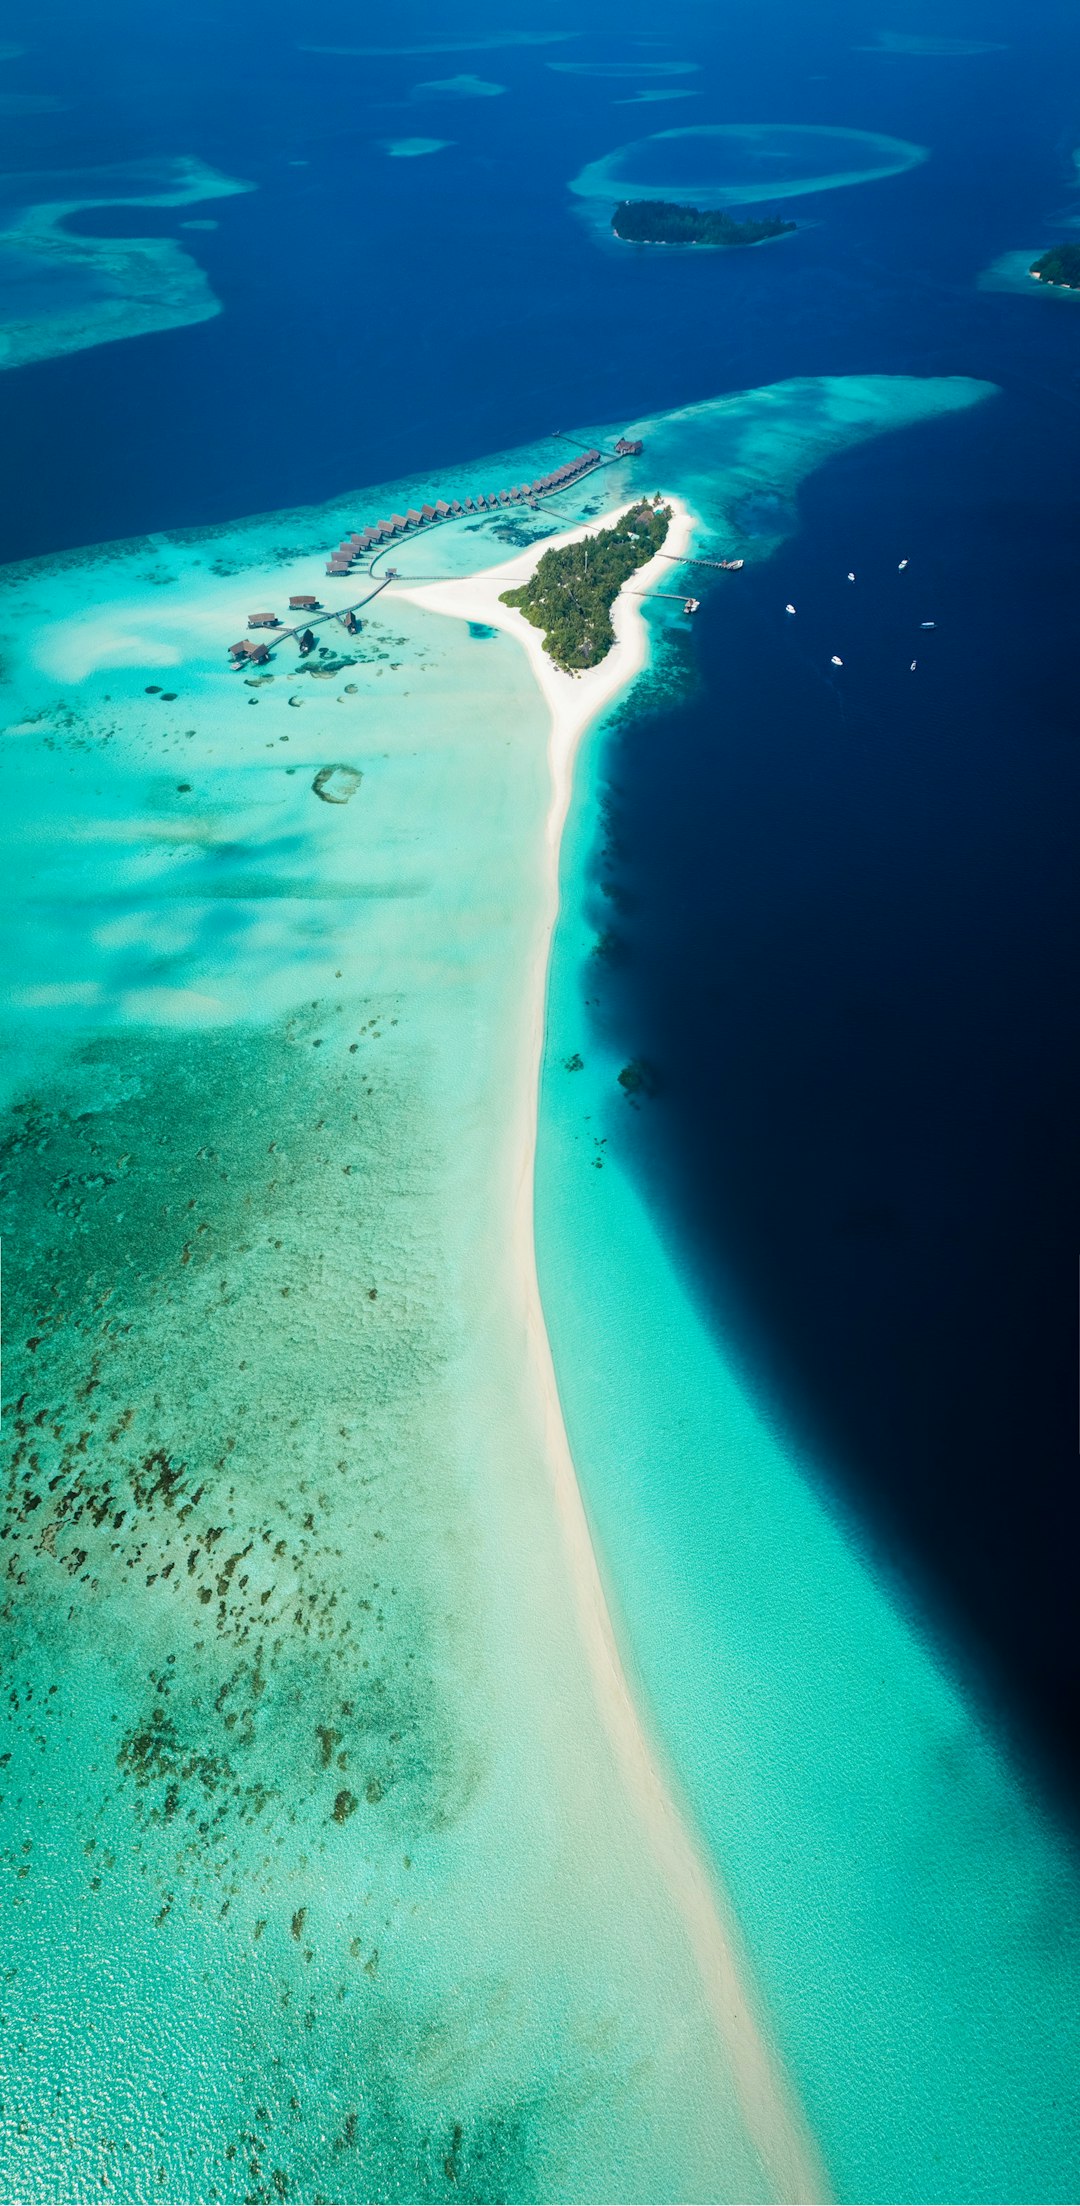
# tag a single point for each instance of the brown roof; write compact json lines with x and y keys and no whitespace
{"x":301,"y":602}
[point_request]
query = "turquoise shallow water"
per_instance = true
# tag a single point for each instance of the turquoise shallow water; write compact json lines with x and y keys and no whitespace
{"x":323,"y":1880}
{"x":912,"y":1913}
{"x":61,"y":292}
{"x":319,"y":1859}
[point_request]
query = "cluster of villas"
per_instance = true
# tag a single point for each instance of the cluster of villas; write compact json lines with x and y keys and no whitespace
{"x":252,"y":651}
{"x":368,"y":540}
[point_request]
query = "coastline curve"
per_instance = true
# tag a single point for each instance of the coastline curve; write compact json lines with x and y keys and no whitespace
{"x":773,"y":2118}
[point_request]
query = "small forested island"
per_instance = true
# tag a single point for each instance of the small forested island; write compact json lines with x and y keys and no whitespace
{"x":1061,"y":265}
{"x":573,"y":590}
{"x":664,"y":222}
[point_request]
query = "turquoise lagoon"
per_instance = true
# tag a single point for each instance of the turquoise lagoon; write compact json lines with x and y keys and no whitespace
{"x":326,"y":1882}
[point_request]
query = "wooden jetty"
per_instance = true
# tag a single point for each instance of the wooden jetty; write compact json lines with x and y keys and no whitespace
{"x":258,"y":654}
{"x":363,"y":547}
{"x":371,"y":541}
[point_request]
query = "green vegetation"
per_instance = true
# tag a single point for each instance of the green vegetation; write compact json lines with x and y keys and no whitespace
{"x":1060,"y":265}
{"x":664,"y":222}
{"x":573,"y":590}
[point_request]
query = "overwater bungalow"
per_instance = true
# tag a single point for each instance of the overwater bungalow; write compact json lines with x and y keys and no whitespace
{"x":264,"y":620}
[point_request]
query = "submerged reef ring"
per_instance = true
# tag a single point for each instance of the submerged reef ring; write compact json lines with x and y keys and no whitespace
{"x":734,"y":164}
{"x":336,"y":784}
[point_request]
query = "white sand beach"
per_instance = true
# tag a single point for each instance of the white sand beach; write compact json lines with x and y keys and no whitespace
{"x":773,"y":2118}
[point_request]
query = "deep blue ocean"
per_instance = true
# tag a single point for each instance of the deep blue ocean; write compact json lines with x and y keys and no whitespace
{"x":843,"y":912}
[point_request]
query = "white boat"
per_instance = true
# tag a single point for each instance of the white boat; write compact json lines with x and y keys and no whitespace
{"x":928,"y":624}
{"x":851,"y":578}
{"x":903,"y":564}
{"x":834,"y":661}
{"x":789,"y":608}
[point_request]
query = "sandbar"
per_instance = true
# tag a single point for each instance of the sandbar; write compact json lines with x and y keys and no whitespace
{"x":574,"y":701}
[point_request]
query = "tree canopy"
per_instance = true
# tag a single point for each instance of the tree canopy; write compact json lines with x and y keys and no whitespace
{"x":665,"y":222}
{"x":1060,"y":265}
{"x":573,"y":590}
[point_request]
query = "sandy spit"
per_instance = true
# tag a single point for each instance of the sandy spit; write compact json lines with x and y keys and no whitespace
{"x":770,"y":2109}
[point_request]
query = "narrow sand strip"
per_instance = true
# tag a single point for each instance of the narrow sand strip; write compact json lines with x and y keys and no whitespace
{"x":772,"y":2115}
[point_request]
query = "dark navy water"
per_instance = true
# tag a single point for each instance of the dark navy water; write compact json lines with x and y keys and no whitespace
{"x":846,"y":904}
{"x":846,"y":917}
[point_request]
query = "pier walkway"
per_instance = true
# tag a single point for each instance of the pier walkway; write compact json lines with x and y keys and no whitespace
{"x":360,"y":553}
{"x":271,"y":638}
{"x":372,"y":542}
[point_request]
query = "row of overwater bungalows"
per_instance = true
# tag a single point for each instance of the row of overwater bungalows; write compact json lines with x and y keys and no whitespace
{"x":368,"y":540}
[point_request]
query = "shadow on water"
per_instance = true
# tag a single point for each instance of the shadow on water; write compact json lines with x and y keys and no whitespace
{"x":840,"y":924}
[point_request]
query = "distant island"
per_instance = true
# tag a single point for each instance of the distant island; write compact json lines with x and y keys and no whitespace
{"x":665,"y":222}
{"x":1061,"y":265}
{"x":573,"y":590}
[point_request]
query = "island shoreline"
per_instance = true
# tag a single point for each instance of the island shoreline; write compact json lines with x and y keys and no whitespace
{"x":575,"y":701}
